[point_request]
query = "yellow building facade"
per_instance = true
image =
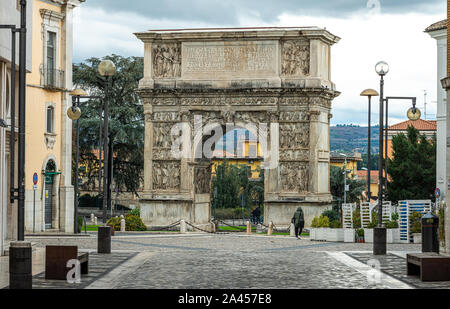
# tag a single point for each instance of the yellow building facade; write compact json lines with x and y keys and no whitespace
{"x":49,"y":205}
{"x":351,"y":161}
{"x":249,"y":154}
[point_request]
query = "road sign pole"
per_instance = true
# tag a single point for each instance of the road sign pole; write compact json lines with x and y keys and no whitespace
{"x":35,"y":180}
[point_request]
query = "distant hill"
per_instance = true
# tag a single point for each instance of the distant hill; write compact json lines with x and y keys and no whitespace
{"x":349,"y":138}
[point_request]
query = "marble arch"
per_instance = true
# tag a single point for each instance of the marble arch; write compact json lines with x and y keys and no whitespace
{"x":275,"y":76}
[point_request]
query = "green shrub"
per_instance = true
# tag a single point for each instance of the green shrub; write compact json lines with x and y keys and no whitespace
{"x":335,"y":224}
{"x":115,"y":222}
{"x":324,"y":221}
{"x":315,"y":222}
{"x":374,"y":222}
{"x":332,"y":215}
{"x":391,"y":224}
{"x":360,"y":232}
{"x":395,"y":216}
{"x":132,"y":223}
{"x":135,"y":212}
{"x":415,"y":222}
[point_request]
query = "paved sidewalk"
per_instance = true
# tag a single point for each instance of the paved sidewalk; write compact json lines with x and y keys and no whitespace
{"x":394,"y":265}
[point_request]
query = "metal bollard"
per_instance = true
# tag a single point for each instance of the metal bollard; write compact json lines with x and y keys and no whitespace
{"x":122,"y":225}
{"x":270,"y":230}
{"x":95,"y":221}
{"x":183,"y":227}
{"x":104,"y":239}
{"x":430,"y":233}
{"x":92,"y":218}
{"x":292,"y":230}
{"x":249,"y":228}
{"x":20,"y":276}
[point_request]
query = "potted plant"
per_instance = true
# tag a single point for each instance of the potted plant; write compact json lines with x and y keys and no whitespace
{"x":360,"y":236}
{"x":335,"y":232}
{"x":321,"y":232}
{"x":368,"y":232}
{"x":416,"y":226}
{"x":313,"y":229}
{"x":392,"y":232}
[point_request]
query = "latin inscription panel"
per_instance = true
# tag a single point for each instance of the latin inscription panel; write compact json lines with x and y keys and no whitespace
{"x":230,"y":60}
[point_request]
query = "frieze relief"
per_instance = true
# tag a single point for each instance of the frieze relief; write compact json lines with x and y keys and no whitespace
{"x":295,"y":58}
{"x":166,"y":60}
{"x":166,"y":175}
{"x":294,"y":116}
{"x":294,"y":155}
{"x":161,"y":135}
{"x":293,"y":136}
{"x":166,"y":116}
{"x":202,"y":180}
{"x":294,"y":176}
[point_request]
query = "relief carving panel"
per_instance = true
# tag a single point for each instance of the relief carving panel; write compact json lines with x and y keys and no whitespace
{"x":294,"y":176}
{"x":295,"y":58}
{"x":166,"y":175}
{"x":166,"y":60}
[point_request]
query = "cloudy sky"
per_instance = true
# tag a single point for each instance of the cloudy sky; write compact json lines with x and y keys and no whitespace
{"x":371,"y":30}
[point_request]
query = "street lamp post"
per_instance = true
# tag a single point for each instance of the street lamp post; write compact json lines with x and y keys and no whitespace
{"x":379,"y":233}
{"x":369,"y":93}
{"x":74,"y":113}
{"x":382,"y":68}
{"x":107,"y":69}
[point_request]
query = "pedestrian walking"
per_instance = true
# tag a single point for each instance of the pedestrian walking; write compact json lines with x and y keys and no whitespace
{"x":257,"y":215}
{"x":299,"y":222}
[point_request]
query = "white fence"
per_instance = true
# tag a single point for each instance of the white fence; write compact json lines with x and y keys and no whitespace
{"x":347,"y":215}
{"x":405,"y":209}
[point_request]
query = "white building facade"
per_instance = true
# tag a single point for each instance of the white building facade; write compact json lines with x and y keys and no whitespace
{"x":438,"y":31}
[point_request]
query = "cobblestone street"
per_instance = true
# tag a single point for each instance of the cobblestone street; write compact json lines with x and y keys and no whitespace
{"x":203,"y":261}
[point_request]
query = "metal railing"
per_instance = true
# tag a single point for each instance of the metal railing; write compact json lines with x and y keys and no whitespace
{"x":53,"y":79}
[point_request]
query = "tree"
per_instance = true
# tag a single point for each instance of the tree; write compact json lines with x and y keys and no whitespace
{"x":234,"y":182}
{"x":337,"y":185}
{"x":412,"y":171}
{"x":126,"y":125}
{"x":373,"y":161}
{"x":227,"y":183}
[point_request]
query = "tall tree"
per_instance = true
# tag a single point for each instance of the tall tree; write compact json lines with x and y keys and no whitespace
{"x":337,"y":185}
{"x":412,"y":171}
{"x":126,"y":125}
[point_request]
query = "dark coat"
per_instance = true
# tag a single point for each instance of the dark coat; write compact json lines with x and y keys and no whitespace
{"x":256,"y":212}
{"x":298,"y":218}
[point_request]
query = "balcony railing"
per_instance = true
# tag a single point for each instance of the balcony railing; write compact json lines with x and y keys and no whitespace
{"x":53,"y":79}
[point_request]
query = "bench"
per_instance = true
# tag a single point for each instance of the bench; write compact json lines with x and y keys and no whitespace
{"x":56,"y":258}
{"x":428,"y":266}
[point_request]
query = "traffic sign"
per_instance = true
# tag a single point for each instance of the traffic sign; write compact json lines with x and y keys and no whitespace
{"x":437,"y":193}
{"x":35,"y":178}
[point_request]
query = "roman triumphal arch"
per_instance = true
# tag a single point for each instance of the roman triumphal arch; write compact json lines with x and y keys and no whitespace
{"x":200,"y":83}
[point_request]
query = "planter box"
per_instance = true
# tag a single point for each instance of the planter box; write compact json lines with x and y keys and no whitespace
{"x":417,"y":238}
{"x":312,"y":233}
{"x":349,"y":235}
{"x":321,"y":234}
{"x":368,"y":235}
{"x":335,"y":235}
{"x":393,"y":236}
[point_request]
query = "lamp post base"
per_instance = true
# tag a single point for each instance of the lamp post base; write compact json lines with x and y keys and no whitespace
{"x":20,"y":276}
{"x":379,"y":241}
{"x":104,"y":239}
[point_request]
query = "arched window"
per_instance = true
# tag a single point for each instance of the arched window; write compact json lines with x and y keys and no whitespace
{"x":50,"y":119}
